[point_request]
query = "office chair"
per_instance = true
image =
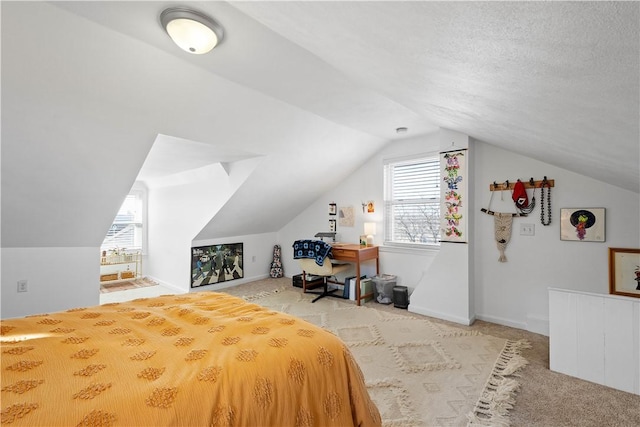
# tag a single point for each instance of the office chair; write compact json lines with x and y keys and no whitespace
{"x":327,"y":271}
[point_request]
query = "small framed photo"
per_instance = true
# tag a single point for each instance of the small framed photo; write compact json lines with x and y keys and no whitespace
{"x":371,"y":207}
{"x":582,"y":224}
{"x":624,"y":272}
{"x":333,"y":209}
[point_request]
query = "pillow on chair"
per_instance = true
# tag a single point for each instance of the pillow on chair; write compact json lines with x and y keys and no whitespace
{"x":310,"y":266}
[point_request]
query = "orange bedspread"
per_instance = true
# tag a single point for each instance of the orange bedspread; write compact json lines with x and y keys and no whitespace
{"x":200,"y":359}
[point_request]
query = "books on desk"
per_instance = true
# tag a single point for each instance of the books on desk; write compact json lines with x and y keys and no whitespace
{"x":366,"y":287}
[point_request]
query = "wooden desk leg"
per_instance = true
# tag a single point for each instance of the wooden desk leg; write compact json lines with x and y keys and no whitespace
{"x":358,"y":282}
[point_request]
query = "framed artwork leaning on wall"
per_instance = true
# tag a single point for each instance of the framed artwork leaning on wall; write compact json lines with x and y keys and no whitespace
{"x":216,"y":263}
{"x":624,"y":272}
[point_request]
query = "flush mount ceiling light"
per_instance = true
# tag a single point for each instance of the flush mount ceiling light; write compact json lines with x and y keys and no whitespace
{"x":192,"y":31}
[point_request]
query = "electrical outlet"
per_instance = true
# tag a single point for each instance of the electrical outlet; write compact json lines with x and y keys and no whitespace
{"x":22,"y":286}
{"x":527,"y":229}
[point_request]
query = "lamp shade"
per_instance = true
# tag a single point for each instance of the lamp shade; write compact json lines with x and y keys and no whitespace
{"x":370,"y":228}
{"x":192,"y":31}
{"x":370,"y":231}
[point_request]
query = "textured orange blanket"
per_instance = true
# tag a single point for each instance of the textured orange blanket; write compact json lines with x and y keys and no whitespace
{"x":200,"y":359}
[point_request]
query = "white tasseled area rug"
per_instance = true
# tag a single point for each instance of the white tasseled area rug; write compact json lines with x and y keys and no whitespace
{"x":419,"y":373}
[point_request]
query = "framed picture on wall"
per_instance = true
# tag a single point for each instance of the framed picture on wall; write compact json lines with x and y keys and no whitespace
{"x":345,"y":216}
{"x":371,"y":207}
{"x":216,"y":264}
{"x":624,"y":272}
{"x":582,"y":224}
{"x":333,"y":208}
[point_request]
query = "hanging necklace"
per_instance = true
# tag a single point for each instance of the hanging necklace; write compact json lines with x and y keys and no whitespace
{"x":542,"y":202}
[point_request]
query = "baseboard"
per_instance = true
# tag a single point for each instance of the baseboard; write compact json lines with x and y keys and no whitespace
{"x":212,"y":287}
{"x":538,"y":325}
{"x":502,"y":321}
{"x":438,"y":315}
{"x":228,"y":283}
{"x":167,"y":285}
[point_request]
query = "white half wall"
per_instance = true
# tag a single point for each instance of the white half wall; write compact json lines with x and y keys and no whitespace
{"x":595,"y":337}
{"x":57,"y":279}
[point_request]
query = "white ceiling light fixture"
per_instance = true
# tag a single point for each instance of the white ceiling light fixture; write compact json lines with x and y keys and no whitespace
{"x":192,"y":31}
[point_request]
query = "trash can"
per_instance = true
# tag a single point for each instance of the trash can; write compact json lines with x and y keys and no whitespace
{"x":383,"y":288}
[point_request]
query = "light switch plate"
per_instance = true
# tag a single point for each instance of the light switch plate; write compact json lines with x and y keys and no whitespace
{"x":527,"y":229}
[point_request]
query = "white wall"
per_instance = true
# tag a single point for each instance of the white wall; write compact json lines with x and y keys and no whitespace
{"x":57,"y":279}
{"x":513,"y":293}
{"x":366,"y":183}
{"x":177,"y":213}
{"x":445,"y":290}
{"x":257,"y":257}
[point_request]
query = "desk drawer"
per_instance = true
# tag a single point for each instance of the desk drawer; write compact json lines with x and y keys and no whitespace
{"x":345,"y":255}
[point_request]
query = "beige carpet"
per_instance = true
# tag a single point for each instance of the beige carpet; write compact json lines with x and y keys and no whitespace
{"x":126,"y":285}
{"x":419,"y":373}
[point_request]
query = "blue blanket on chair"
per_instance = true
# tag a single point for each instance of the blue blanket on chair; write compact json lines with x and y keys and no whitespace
{"x":316,"y":249}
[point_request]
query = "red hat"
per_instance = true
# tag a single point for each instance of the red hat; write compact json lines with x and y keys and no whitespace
{"x":519,"y":195}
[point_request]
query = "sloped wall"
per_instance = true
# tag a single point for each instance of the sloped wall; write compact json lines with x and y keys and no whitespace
{"x":365,"y":184}
{"x":63,"y":175}
{"x":177,"y":213}
{"x":79,"y":116}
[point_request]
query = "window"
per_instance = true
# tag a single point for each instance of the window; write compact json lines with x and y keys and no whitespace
{"x":412,"y":201}
{"x":126,"y":232}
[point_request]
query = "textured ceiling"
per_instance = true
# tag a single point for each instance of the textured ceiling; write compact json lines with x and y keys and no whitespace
{"x":85,"y":81}
{"x":555,"y":81}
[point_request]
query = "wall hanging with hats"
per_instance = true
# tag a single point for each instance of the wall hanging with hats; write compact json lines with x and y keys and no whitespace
{"x":521,"y":200}
{"x":503,"y":221}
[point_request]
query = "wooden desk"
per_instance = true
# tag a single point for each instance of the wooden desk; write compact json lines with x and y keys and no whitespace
{"x":357,"y":254}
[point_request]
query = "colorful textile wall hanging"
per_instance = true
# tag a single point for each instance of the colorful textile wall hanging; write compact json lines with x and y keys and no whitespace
{"x":453,"y":205}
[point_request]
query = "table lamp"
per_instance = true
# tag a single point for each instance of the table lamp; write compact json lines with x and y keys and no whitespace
{"x":370,"y":231}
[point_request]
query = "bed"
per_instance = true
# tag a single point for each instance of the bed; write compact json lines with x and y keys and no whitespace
{"x":199,"y":359}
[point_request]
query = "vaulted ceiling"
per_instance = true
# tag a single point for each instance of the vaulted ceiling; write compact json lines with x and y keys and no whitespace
{"x":303,"y":81}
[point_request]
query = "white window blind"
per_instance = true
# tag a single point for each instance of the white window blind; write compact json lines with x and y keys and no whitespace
{"x":412,"y":201}
{"x":126,"y":230}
